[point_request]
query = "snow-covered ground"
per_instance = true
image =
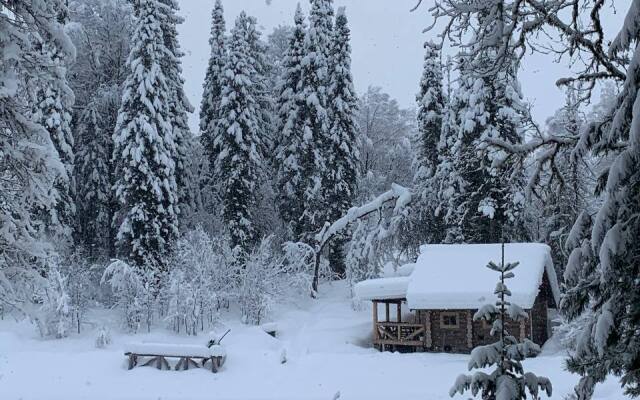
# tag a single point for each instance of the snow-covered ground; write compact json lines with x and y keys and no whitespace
{"x":327,"y":350}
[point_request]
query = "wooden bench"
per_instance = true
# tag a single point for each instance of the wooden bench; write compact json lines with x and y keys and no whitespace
{"x":188,"y":355}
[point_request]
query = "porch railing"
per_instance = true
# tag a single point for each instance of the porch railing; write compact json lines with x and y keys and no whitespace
{"x":400,"y":333}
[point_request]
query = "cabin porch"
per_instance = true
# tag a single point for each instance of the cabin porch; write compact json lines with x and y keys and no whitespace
{"x":397,"y":332}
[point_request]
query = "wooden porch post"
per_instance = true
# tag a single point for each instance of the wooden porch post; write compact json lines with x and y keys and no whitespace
{"x":375,"y":320}
{"x":386,"y":310}
{"x":399,"y":319}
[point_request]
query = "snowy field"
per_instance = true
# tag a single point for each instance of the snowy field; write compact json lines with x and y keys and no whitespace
{"x":327,"y":348}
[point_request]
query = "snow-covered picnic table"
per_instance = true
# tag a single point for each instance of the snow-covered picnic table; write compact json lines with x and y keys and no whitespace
{"x":186,"y":353}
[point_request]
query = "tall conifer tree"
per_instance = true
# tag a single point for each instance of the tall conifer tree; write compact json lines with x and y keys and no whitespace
{"x":426,"y":222}
{"x":288,"y":161}
{"x":212,"y":87}
{"x":339,"y":183}
{"x":144,"y":149}
{"x":314,"y":121}
{"x":490,"y":108}
{"x":238,"y":140}
{"x":93,"y":175}
{"x":179,"y":107}
{"x":54,"y":112}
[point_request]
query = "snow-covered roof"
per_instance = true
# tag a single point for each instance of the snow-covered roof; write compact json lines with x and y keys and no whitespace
{"x":382,"y":288}
{"x":456,"y":277}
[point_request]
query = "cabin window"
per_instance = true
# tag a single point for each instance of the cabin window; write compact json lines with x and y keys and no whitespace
{"x":449,"y":320}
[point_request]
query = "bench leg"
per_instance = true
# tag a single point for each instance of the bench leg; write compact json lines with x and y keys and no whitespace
{"x":163,"y":363}
{"x":214,"y":367}
{"x":133,"y":360}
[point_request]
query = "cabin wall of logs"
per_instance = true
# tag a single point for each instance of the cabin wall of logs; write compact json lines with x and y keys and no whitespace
{"x":398,"y":329}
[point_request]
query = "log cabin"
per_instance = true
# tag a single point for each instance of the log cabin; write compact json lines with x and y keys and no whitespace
{"x":429,"y":305}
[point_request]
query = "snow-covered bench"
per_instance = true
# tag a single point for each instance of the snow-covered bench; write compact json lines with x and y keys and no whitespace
{"x":188,"y":355}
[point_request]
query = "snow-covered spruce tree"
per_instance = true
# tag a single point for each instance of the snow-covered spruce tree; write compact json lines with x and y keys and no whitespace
{"x":507,"y":381}
{"x":178,"y":106}
{"x":490,"y":108}
{"x":93,"y":174}
{"x":312,"y":120}
{"x":263,"y":93}
{"x":339,"y":183}
{"x":29,"y":161}
{"x":212,"y":89}
{"x":428,"y":227}
{"x":288,"y":162}
{"x":447,"y":180}
{"x":602,"y":272}
{"x":144,"y":149}
{"x":54,"y":113}
{"x":238,"y":140}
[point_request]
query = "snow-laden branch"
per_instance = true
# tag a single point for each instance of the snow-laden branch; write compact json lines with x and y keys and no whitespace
{"x":400,"y":195}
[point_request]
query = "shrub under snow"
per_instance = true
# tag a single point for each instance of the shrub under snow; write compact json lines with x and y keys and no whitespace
{"x":201,"y":281}
{"x":268,"y":275}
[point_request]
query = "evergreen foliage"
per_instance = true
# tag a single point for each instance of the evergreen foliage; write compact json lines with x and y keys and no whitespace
{"x":54,"y":113}
{"x":93,"y":175}
{"x":144,"y":150}
{"x":239,"y":143}
{"x":288,"y":165}
{"x":601,"y":273}
{"x":491,"y":186}
{"x":340,"y":181}
{"x":102,"y":33}
{"x":29,"y":160}
{"x":212,"y":87}
{"x":426,"y":224}
{"x":179,"y":106}
{"x":314,"y":120}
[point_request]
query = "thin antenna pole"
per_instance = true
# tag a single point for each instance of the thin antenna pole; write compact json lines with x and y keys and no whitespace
{"x":502,"y":311}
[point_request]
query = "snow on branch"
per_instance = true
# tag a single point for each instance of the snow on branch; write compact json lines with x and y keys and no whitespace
{"x":400,"y":195}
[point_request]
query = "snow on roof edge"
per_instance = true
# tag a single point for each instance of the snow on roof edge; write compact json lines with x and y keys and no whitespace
{"x":382,"y":288}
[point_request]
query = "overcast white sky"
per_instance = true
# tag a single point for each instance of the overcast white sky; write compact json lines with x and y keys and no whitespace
{"x":387,"y":47}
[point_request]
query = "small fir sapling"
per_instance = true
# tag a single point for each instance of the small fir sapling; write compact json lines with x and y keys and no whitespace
{"x":507,"y":381}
